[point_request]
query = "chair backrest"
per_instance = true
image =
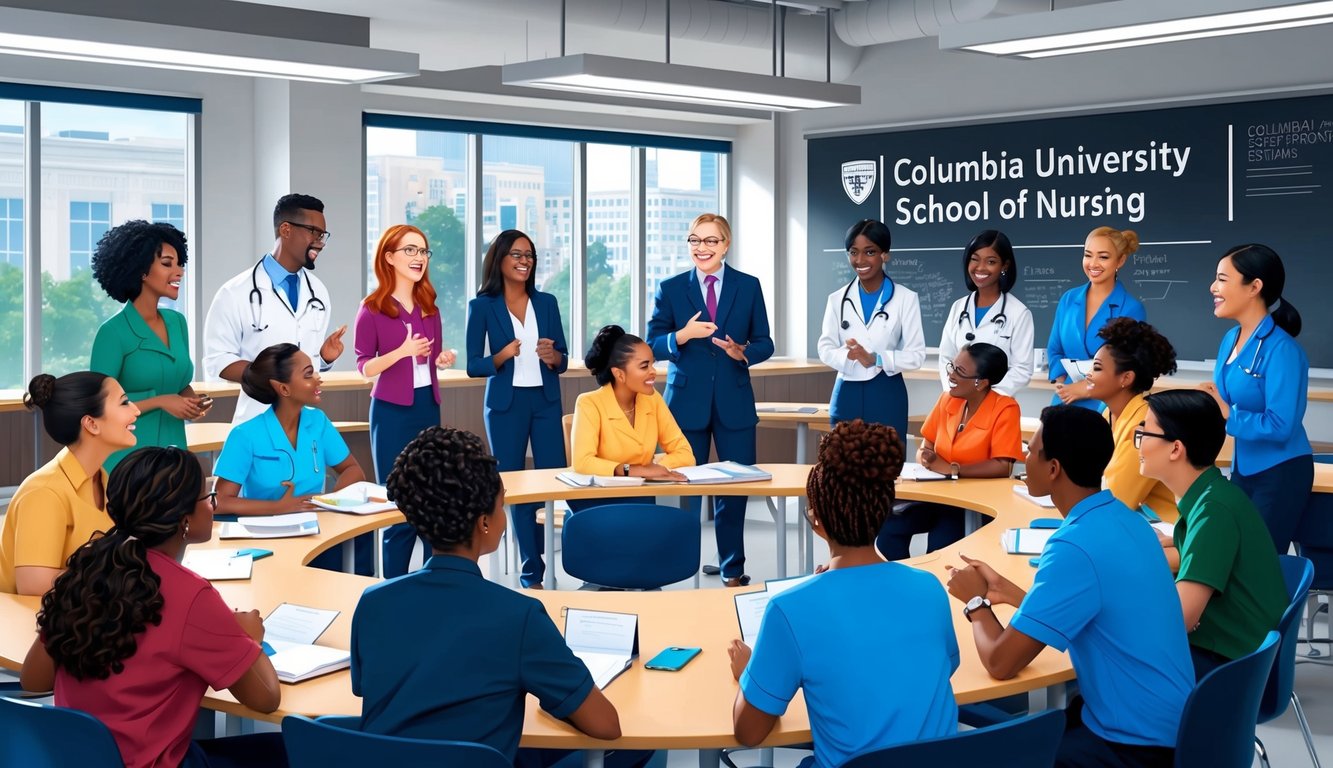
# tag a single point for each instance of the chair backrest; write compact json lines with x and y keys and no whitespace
{"x":1028,"y":742}
{"x":632,"y":546}
{"x":1297,"y":573}
{"x":1217,"y":726}
{"x":320,"y":744}
{"x":567,"y":421}
{"x":37,"y":735}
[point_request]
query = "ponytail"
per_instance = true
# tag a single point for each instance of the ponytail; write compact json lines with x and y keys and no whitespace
{"x":1259,"y":262}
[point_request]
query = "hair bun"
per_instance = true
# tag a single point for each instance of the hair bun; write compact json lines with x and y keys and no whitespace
{"x":599,"y":353}
{"x":40,"y":391}
{"x":1131,"y":241}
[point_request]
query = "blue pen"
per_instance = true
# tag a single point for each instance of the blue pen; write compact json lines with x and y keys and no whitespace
{"x":314,"y":456}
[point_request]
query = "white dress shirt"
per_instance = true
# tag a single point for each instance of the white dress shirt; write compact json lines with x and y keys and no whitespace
{"x":527,"y":366}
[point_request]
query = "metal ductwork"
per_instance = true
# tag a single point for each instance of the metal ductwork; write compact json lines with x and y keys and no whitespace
{"x":872,"y":22}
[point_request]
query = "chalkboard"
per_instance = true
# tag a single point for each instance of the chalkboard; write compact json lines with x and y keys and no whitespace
{"x":1192,"y":181}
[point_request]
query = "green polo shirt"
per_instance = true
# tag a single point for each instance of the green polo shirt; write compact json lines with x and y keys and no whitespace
{"x":1224,"y":544}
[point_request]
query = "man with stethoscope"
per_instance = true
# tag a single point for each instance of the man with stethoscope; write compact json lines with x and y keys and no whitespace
{"x":276,"y":300}
{"x":871,"y":334}
{"x":989,"y":313}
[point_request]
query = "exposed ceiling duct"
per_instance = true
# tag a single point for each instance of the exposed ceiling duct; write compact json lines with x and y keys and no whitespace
{"x":873,"y":22}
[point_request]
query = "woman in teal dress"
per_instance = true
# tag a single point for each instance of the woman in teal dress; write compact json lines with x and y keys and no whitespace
{"x":144,"y":347}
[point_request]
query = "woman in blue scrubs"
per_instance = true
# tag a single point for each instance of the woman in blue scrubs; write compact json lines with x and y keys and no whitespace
{"x":1260,"y":381}
{"x":1085,"y":309}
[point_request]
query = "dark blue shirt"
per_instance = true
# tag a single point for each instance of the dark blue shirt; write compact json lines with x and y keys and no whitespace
{"x":444,"y":654}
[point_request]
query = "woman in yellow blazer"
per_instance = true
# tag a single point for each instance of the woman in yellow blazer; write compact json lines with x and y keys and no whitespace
{"x":619,"y":427}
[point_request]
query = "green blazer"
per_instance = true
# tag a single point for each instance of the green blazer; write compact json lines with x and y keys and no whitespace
{"x":128,"y":350}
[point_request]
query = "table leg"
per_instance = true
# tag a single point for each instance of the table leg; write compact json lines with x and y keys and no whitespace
{"x":972,"y":521}
{"x":766,"y":757}
{"x":593,"y":758}
{"x":549,"y":580}
{"x":710,"y":758}
{"x":806,"y":553}
{"x":1051,"y":697}
{"x":349,"y":555}
{"x":778,"y":509}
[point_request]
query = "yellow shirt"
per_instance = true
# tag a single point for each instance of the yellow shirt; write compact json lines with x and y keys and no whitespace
{"x":603,"y":437}
{"x":51,"y":515}
{"x":1123,"y":478}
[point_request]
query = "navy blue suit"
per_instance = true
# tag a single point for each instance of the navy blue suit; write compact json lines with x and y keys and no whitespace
{"x":516,"y":414}
{"x":708,"y":392}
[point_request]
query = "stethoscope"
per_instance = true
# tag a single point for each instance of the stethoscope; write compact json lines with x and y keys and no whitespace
{"x":879,"y":307}
{"x":1252,"y":370}
{"x":256,"y":299}
{"x":998,"y":318}
{"x":1110,"y":308}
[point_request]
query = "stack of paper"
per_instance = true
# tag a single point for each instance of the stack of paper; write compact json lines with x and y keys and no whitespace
{"x":219,"y":564}
{"x":1026,"y":541}
{"x":606,"y":642}
{"x":272,"y":527}
{"x":721,"y":472}
{"x":750,"y":606}
{"x":915,"y":471}
{"x":361,"y":498}
{"x":579,"y":480}
{"x":1021,"y":491}
{"x":290,"y":633}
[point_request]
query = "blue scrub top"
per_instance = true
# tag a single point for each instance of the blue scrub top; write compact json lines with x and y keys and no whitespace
{"x":1266,"y":387}
{"x":1072,"y":339}
{"x":258,"y":455}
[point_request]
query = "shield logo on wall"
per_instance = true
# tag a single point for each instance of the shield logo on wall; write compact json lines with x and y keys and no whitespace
{"x":858,"y":179}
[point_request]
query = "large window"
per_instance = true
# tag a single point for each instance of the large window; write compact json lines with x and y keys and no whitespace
{"x":611,"y":252}
{"x":681,"y":185}
{"x":12,"y":265}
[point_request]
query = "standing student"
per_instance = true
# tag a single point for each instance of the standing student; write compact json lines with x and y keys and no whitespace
{"x":399,"y":345}
{"x":1132,"y":356}
{"x":516,"y":341}
{"x":1103,"y":592}
{"x":710,"y":325}
{"x":1083,"y":310}
{"x":1260,"y":382}
{"x":870,"y":679}
{"x":990,"y":313}
{"x":135,"y":639}
{"x":59,"y":506}
{"x":144,"y":347}
{"x":1230,"y":583}
{"x":871,"y":334}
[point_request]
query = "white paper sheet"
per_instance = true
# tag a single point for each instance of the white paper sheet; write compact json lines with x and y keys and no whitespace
{"x":297,"y":624}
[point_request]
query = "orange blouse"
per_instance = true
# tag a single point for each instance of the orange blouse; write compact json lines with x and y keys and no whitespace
{"x":990,"y":433}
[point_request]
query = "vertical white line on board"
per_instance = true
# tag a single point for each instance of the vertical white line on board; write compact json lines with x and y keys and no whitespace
{"x":882,"y":182}
{"x":1231,"y":175}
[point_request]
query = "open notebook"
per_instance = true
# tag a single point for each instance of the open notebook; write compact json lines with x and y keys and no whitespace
{"x":219,"y":564}
{"x":290,"y":633}
{"x":361,"y":498}
{"x":271,"y":526}
{"x":605,"y":642}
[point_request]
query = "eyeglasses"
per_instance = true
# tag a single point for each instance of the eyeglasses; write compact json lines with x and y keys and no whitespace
{"x":1139,"y":434}
{"x":322,"y":235}
{"x":211,"y":498}
{"x":869,"y":253}
{"x":711,"y":242}
{"x":412,"y":251}
{"x":522,"y":255}
{"x":954,"y":370}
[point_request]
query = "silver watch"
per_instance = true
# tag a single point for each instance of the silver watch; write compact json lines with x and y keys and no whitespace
{"x":974,"y":604}
{"x":625,"y":468}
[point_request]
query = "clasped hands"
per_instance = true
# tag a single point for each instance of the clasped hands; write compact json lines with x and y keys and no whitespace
{"x":860,"y":354}
{"x":546,"y":352}
{"x":418,"y":346}
{"x":702,"y":329}
{"x":979,"y":579}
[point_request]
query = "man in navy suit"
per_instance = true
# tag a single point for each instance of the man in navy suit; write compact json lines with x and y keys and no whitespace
{"x":710,"y":325}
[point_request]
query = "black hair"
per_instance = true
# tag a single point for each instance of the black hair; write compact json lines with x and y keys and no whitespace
{"x":125,"y":254}
{"x":290,"y":207}
{"x":850,"y":487}
{"x":1259,"y":261}
{"x":992,"y":364}
{"x":1137,"y":346}
{"x":1193,"y":418}
{"x":66,"y":400}
{"x":999,"y":242}
{"x":443,"y":481}
{"x":875,"y":231}
{"x":109,"y":594}
{"x":611,"y":348}
{"x":1080,"y":439}
{"x":492,"y":279}
{"x":272,"y":364}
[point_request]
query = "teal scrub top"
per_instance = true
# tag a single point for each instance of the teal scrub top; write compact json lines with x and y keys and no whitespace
{"x":258,"y":456}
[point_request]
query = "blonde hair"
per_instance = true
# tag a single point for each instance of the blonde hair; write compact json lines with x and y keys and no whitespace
{"x":713,"y":218}
{"x":1125,"y":241}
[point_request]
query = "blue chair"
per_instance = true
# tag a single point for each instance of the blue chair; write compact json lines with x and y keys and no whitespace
{"x":1314,"y":541}
{"x":631,"y":546}
{"x":335,"y":742}
{"x":1297,"y":572}
{"x":1217,"y":727}
{"x":36,"y":735}
{"x":1027,"y":742}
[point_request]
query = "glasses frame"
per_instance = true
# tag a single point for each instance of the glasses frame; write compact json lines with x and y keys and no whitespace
{"x":211,"y":497}
{"x":322,"y":235}
{"x":954,"y":370}
{"x":711,"y":242}
{"x":419,"y":251}
{"x":1140,"y":433}
{"x":522,"y":256}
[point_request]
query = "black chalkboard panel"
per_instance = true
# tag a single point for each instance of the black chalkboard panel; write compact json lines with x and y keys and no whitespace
{"x":1192,"y":181}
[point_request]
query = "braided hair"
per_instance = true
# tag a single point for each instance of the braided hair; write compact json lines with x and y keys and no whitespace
{"x":850,"y":487}
{"x":443,"y":482}
{"x":109,"y":593}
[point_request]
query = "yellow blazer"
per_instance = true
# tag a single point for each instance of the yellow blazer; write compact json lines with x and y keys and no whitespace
{"x":603,"y":438}
{"x":1123,"y":478}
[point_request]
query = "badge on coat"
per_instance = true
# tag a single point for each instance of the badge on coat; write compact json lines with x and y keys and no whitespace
{"x":858,"y":179}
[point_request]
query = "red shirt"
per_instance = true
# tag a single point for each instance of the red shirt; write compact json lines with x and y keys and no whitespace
{"x":151,"y":706}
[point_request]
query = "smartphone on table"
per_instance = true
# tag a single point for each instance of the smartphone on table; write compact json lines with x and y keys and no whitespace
{"x":672,"y":658}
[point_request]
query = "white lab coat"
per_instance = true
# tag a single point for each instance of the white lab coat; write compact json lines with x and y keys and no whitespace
{"x":230,"y":329}
{"x":898,"y":340}
{"x":1013,"y":334}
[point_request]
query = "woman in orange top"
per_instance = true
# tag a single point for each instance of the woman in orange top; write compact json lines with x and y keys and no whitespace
{"x":972,"y":431}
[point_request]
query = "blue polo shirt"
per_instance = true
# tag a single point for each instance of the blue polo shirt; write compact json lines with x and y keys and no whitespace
{"x":1104,"y":592}
{"x":443,"y":653}
{"x":258,"y":455}
{"x":874,"y":674}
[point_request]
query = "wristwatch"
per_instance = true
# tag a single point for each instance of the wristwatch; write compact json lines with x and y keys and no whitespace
{"x":974,"y":604}
{"x":624,"y":468}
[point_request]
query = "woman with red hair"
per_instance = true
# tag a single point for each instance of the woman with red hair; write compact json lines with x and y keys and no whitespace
{"x":398,"y":335}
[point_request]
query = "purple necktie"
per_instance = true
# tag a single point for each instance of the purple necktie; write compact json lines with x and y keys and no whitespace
{"x":710,"y":299}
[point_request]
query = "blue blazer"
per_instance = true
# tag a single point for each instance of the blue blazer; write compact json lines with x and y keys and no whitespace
{"x":488,"y":320}
{"x":700,"y":375}
{"x":1071,"y":338}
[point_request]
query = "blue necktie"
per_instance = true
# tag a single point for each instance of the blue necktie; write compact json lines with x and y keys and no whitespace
{"x":293,"y":287}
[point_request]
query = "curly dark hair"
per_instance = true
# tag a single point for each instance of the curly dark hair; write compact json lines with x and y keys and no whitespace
{"x":443,"y":481}
{"x":1137,"y":346}
{"x":850,"y":487}
{"x":126,"y":253}
{"x":611,"y":348}
{"x":109,"y":593}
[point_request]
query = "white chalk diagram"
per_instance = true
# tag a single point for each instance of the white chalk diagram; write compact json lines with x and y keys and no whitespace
{"x":1148,"y":288}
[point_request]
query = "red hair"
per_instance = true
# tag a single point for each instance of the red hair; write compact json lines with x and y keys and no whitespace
{"x":381,"y":299}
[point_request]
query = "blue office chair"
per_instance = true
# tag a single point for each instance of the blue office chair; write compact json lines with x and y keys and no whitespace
{"x":334,"y":742}
{"x":37,"y":735}
{"x":1027,"y":742}
{"x":631,"y":546}
{"x":1217,"y":727}
{"x":1314,"y":541}
{"x":1297,"y":572}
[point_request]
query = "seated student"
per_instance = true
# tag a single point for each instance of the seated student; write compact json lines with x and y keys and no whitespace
{"x":442,"y":653}
{"x":870,"y":678}
{"x":973,"y":431}
{"x":1230,"y":584}
{"x":133,"y":638}
{"x":1103,"y":591}
{"x":1132,"y":355}
{"x":57,"y":508}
